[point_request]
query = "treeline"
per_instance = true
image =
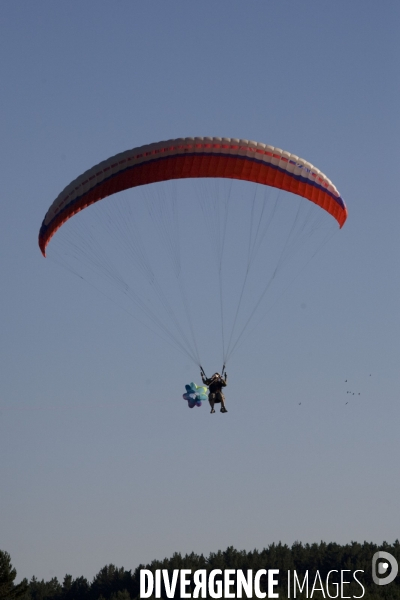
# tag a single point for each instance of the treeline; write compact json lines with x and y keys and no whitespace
{"x":113,"y":583}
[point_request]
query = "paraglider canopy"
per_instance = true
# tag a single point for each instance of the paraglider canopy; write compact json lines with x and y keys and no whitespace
{"x":142,"y":244}
{"x":192,"y":158}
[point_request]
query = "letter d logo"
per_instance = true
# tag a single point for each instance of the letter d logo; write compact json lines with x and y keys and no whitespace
{"x":383,"y":567}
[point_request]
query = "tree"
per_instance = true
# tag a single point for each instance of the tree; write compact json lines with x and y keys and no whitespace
{"x":9,"y":591}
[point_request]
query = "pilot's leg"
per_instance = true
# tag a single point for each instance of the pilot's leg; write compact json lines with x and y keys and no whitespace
{"x":221,"y":398}
{"x":211,"y":399}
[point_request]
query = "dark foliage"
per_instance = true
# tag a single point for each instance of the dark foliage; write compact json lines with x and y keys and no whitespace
{"x":113,"y":583}
{"x":8,"y":590}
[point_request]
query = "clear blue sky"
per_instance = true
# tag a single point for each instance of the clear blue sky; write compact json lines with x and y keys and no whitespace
{"x":100,"y":459}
